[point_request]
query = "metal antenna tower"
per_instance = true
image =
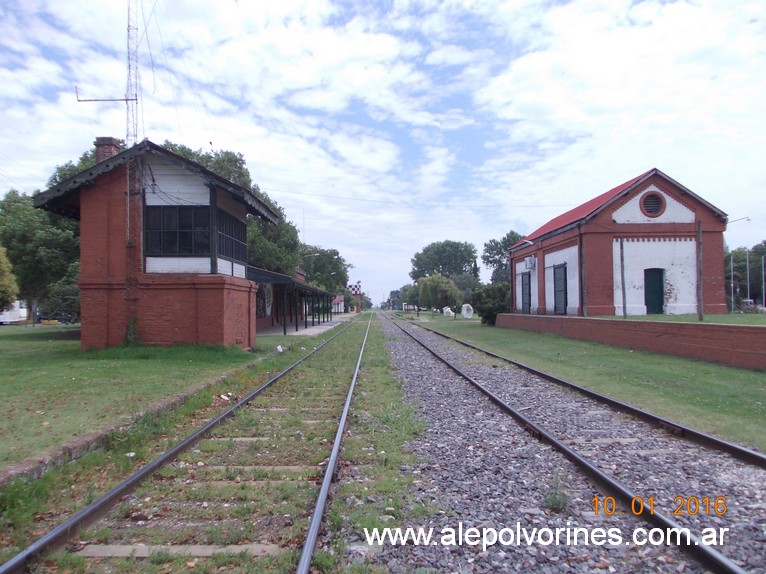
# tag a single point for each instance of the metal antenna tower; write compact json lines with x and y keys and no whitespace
{"x":131,"y":95}
{"x":131,"y":90}
{"x":131,"y":102}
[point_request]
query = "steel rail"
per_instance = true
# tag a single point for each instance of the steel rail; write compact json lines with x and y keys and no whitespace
{"x":86,"y":516}
{"x":743,"y":453}
{"x":708,"y":556}
{"x":304,"y":564}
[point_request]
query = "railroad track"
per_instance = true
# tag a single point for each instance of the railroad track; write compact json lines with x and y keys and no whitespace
{"x":250,"y":485}
{"x":645,"y":470}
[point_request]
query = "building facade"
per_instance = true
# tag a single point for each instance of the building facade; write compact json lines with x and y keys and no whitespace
{"x":647,"y":246}
{"x":163,"y":249}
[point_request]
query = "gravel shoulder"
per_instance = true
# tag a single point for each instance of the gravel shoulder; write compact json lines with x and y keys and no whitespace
{"x":479,"y":469}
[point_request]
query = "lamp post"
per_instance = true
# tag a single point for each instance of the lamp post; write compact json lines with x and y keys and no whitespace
{"x":731,"y":265}
{"x":731,"y":274}
{"x":747,"y":260}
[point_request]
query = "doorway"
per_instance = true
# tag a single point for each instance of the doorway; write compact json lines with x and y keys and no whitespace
{"x":654,"y":291}
{"x":526,"y":293}
{"x":560,"y":289}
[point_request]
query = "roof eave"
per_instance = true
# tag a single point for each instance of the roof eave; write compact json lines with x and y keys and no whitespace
{"x":551,"y":233}
{"x":47,"y":199}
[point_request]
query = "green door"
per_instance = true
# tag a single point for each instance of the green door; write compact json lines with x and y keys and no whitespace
{"x":526,"y":293}
{"x":654,"y":291}
{"x":560,"y":289}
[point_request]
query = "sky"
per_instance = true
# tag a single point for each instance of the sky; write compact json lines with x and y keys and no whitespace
{"x":382,"y":127}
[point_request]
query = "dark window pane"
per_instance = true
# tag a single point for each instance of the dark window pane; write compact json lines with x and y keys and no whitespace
{"x":169,"y":218}
{"x":170,"y":242}
{"x":202,"y":242}
{"x":153,"y":242}
{"x":201,"y":218}
{"x":186,"y":218}
{"x":185,"y":242}
{"x":153,"y":218}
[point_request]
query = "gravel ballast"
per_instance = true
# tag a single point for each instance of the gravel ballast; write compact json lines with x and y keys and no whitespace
{"x":480,"y":470}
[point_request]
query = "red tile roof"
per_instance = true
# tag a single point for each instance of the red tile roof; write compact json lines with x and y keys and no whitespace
{"x":583,"y":211}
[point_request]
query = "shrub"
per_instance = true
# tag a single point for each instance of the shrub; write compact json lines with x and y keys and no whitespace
{"x":490,"y":300}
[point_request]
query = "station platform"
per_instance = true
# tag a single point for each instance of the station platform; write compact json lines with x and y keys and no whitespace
{"x":310,"y":331}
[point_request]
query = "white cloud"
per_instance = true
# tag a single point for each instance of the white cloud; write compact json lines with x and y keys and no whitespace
{"x":382,"y":127}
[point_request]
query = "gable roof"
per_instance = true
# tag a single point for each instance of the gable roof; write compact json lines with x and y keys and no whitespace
{"x":64,"y":198}
{"x":590,"y":208}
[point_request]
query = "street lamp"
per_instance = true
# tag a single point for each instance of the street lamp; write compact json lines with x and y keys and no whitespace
{"x":731,"y":270}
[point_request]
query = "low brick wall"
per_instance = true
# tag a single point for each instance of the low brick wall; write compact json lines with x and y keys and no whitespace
{"x":734,"y":345}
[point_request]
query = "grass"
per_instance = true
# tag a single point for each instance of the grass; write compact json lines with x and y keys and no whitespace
{"x":53,"y":392}
{"x":720,"y":400}
{"x":380,"y":426}
{"x":28,"y":508}
{"x":556,"y":495}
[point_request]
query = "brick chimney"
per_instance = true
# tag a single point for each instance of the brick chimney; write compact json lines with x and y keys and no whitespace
{"x":106,"y":148}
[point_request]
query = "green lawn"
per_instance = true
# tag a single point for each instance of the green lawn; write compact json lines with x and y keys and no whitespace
{"x":53,"y":392}
{"x":724,"y":401}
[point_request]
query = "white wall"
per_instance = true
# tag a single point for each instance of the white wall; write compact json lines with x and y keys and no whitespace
{"x":675,"y":212}
{"x":569,"y":256}
{"x":17,"y":312}
{"x":178,"y":264}
{"x":677,"y":256}
{"x":172,"y":185}
{"x":227,"y":267}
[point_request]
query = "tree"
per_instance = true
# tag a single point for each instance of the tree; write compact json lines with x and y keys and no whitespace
{"x":439,"y":291}
{"x":273,"y":246}
{"x":9,"y":289}
{"x":747,"y":265}
{"x":325,"y":268}
{"x":62,"y":172}
{"x":63,"y":299}
{"x":269,"y":246}
{"x":467,"y":283}
{"x":224,"y":163}
{"x":490,"y":300}
{"x":411,"y":295}
{"x":495,"y":255}
{"x":40,"y":246}
{"x":447,"y":258}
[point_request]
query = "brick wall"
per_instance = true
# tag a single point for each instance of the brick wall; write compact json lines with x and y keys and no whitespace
{"x":169,"y":308}
{"x":193,"y":309}
{"x":737,"y":346}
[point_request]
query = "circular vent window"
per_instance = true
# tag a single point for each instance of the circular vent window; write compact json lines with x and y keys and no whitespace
{"x":652,"y":204}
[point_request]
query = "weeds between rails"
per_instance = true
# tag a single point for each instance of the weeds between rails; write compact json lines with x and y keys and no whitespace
{"x":59,"y":534}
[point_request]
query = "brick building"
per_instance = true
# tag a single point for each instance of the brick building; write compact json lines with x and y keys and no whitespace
{"x":163,"y":248}
{"x":647,"y":246}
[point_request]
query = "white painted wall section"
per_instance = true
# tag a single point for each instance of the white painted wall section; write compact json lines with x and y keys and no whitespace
{"x":168,"y":184}
{"x":227,"y":267}
{"x":568,"y":256}
{"x":675,"y":212}
{"x":677,"y":256}
{"x":224,"y":266}
{"x":199,"y":265}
